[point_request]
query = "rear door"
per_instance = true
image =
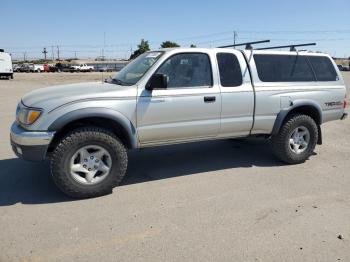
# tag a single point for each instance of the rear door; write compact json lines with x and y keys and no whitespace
{"x":237,"y":94}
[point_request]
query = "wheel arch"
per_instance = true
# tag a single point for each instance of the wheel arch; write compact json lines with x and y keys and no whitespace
{"x":110,"y":119}
{"x":309,"y":108}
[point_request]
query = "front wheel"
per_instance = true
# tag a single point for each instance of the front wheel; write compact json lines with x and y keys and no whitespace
{"x":296,"y":139}
{"x":88,"y":162}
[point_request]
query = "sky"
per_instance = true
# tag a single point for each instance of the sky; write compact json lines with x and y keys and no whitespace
{"x":85,"y":28}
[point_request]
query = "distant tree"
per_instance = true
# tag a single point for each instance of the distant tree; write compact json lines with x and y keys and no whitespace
{"x":142,"y":48}
{"x":168,"y":44}
{"x":193,"y":46}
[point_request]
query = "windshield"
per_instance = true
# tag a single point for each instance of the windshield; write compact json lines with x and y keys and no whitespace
{"x":133,"y":72}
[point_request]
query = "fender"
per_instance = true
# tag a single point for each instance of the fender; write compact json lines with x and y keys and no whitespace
{"x":113,"y":115}
{"x":295,"y":105}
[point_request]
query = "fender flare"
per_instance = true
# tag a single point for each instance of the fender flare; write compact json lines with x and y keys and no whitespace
{"x":296,"y":104}
{"x":110,"y":114}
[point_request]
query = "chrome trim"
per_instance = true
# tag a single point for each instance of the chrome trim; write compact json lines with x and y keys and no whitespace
{"x":23,"y":137}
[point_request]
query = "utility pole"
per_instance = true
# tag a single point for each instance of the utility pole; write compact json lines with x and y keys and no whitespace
{"x":25,"y":56}
{"x":58,"y":53}
{"x":234,"y":37}
{"x":75,"y":54}
{"x":104,"y":45}
{"x":52,"y":53}
{"x":44,"y":52}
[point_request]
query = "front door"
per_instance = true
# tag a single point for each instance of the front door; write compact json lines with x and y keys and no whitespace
{"x":188,"y":109}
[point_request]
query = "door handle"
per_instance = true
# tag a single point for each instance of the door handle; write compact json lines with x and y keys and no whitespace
{"x":209,"y":99}
{"x":157,"y":100}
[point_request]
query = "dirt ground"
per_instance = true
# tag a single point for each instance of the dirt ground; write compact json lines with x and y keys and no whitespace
{"x":208,"y":201}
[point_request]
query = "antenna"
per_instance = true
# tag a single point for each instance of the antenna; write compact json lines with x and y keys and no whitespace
{"x":292,"y":47}
{"x":248,"y":45}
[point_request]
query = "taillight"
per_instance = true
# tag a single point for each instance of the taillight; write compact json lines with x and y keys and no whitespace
{"x":345,"y":102}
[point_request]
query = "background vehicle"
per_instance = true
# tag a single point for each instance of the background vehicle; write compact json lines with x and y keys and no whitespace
{"x":5,"y":65}
{"x":24,"y":68}
{"x":82,"y":68}
{"x":177,"y":96}
{"x":16,"y":67}
{"x":46,"y":68}
{"x":343,"y":68}
{"x":38,"y":68}
{"x":60,"y":67}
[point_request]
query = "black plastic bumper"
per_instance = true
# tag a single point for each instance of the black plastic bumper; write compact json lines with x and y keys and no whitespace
{"x":30,"y":153}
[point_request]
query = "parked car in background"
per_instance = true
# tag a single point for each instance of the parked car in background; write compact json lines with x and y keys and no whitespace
{"x":6,"y":69}
{"x":46,"y":68}
{"x":82,"y":68}
{"x":16,"y":67}
{"x":24,"y":68}
{"x":60,"y":67}
{"x":38,"y":68}
{"x":343,"y":68}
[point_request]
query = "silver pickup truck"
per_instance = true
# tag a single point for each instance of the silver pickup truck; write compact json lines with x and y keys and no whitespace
{"x":173,"y":96}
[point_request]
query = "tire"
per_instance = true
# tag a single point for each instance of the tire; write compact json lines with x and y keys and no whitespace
{"x":284,"y":146}
{"x":75,"y":184}
{"x":11,"y":76}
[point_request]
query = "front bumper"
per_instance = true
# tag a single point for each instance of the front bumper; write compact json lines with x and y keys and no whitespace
{"x":30,"y":145}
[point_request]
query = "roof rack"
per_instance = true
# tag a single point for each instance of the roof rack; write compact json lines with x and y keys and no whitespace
{"x":292,"y":47}
{"x":248,"y":45}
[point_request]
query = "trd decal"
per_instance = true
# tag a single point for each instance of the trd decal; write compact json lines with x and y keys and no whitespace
{"x":331,"y":104}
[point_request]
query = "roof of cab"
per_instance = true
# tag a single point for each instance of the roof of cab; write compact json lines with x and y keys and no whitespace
{"x":255,"y":51}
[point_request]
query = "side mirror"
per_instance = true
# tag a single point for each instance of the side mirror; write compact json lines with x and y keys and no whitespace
{"x":157,"y":81}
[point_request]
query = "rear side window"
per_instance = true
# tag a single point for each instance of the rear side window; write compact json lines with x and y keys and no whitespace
{"x":323,"y":68}
{"x":283,"y":68}
{"x":230,"y":70}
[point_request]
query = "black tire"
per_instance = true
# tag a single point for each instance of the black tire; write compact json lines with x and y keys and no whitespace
{"x":78,"y":138}
{"x":280,"y":142}
{"x":11,"y":76}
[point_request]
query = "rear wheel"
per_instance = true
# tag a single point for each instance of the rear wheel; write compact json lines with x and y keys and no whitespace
{"x":296,"y":139}
{"x":88,"y":162}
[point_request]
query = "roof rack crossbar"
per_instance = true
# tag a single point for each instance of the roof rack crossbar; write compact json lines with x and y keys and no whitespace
{"x":248,"y":45}
{"x":292,"y":47}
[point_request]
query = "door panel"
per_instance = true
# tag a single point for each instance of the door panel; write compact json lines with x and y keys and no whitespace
{"x":237,"y":110}
{"x":178,"y":114}
{"x":237,"y":95}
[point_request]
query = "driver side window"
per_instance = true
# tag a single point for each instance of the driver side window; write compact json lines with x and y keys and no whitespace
{"x":187,"y":70}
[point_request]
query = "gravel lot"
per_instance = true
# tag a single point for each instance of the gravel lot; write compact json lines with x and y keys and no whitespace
{"x":209,"y":201}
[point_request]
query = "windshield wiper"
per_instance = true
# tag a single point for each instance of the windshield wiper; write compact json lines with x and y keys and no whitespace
{"x":120,"y":82}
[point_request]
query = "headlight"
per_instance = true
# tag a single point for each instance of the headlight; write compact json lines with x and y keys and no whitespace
{"x":27,"y":115}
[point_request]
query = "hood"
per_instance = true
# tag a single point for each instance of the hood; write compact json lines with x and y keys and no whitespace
{"x":49,"y":98}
